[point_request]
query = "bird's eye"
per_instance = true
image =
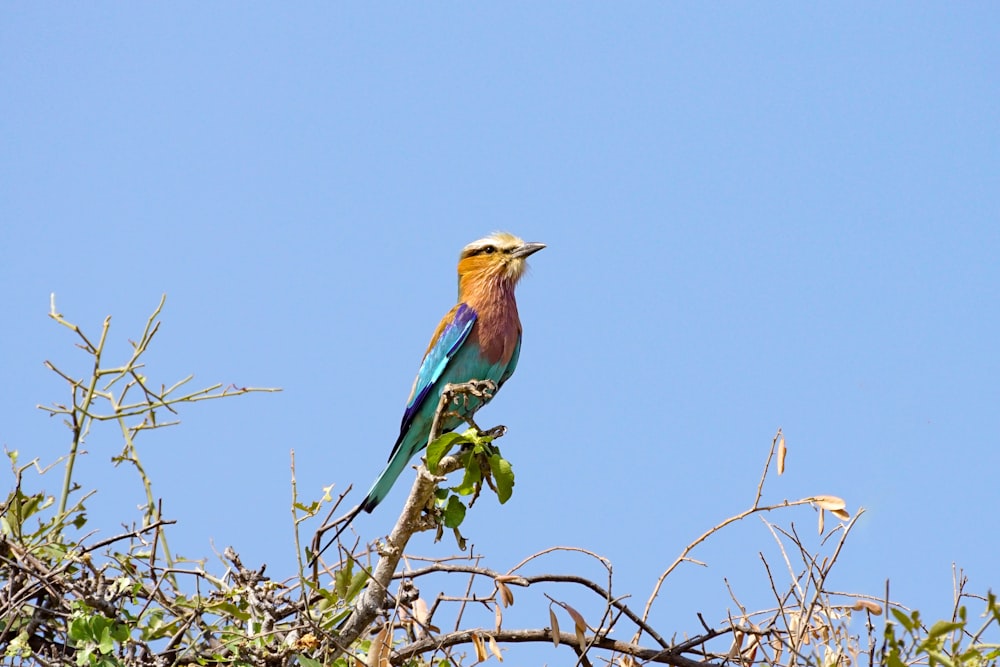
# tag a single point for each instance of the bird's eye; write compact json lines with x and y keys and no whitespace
{"x":489,"y":250}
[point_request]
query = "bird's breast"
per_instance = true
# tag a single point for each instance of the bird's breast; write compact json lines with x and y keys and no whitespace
{"x":496,"y":333}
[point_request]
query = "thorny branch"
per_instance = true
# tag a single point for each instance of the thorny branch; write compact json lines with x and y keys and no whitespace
{"x":545,"y":635}
{"x":415,"y":620}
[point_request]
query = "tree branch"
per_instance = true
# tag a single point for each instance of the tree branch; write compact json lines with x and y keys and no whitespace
{"x":545,"y":636}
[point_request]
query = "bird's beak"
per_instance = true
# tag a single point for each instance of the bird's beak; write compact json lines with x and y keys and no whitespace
{"x":527,"y":249}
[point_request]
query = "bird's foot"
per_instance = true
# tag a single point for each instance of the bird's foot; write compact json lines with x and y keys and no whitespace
{"x":456,"y":395}
{"x":481,"y":389}
{"x":495,"y":432}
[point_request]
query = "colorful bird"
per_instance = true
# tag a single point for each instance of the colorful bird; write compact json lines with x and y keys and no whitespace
{"x":479,"y":339}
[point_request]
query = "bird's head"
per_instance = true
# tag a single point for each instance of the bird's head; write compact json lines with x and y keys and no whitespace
{"x":500,"y":257}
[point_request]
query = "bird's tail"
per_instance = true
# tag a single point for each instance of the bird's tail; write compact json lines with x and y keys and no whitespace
{"x":317,"y":550}
{"x":380,"y":489}
{"x":382,"y":485}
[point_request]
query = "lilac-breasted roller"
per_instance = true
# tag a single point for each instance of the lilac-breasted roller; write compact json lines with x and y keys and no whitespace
{"x":479,"y":339}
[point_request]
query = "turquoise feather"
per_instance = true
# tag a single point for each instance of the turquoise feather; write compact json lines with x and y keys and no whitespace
{"x":452,"y":359}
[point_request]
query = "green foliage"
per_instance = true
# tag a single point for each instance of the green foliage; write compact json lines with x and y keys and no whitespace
{"x":348,"y":582}
{"x":947,"y":643}
{"x":454,"y":513}
{"x":95,"y":636}
{"x":503,"y":474}
{"x":481,"y":462}
{"x":77,"y":600}
{"x":438,"y":449}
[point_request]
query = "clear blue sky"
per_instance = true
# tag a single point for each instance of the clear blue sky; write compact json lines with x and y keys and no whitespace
{"x":757,"y":216}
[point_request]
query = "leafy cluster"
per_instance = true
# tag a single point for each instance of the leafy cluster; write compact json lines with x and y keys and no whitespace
{"x":947,"y":643}
{"x":482,"y":463}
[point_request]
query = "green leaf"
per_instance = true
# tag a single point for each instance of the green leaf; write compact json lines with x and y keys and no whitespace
{"x":83,"y":656}
{"x":454,"y":513}
{"x":991,"y":655}
{"x":342,"y":580}
{"x":357,"y":583}
{"x":79,"y":629}
{"x":892,"y":659}
{"x":119,"y":632}
{"x":309,"y":509}
{"x":98,"y":624}
{"x":105,"y":643}
{"x":903,"y":619}
{"x":936,"y":657}
{"x":335,"y":621}
{"x":942,"y":628}
{"x":19,"y":647}
{"x":226,"y":608}
{"x":438,"y":449}
{"x":308,"y":662}
{"x":30,"y":505}
{"x":155,"y":627}
{"x":473,"y":476}
{"x":971,"y":656}
{"x":503,"y":474}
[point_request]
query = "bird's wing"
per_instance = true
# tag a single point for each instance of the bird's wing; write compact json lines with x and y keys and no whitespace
{"x":447,"y":340}
{"x":512,"y":364}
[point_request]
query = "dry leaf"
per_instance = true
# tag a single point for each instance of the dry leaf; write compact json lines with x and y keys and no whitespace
{"x":777,"y":647}
{"x":751,"y":651}
{"x":495,"y":650}
{"x":737,"y":644}
{"x":506,"y":596}
{"x":869,"y":606}
{"x":833,"y":658}
{"x":420,"y":616}
{"x":829,"y":502}
{"x":420,"y":610}
{"x":477,"y":642}
{"x":782,"y":451}
{"x":554,"y":622}
{"x":381,"y":648}
{"x":581,"y":625}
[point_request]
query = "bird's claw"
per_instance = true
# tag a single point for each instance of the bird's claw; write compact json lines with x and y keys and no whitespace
{"x":482,"y":389}
{"x":495,"y":432}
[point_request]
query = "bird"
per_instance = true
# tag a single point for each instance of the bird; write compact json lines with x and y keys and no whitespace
{"x":478,"y":339}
